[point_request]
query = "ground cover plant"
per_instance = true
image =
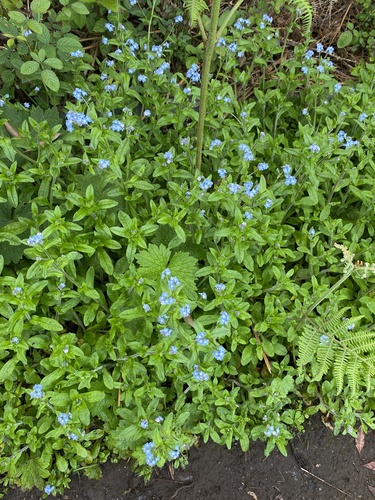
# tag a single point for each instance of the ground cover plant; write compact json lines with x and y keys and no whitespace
{"x":152,"y":293}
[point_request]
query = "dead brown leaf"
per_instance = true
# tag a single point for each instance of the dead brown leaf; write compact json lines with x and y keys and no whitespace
{"x":372,"y":490}
{"x":12,"y":131}
{"x":360,"y":440}
{"x":370,"y":465}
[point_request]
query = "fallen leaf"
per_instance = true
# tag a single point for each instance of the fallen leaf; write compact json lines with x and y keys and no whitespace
{"x":370,"y":465}
{"x":372,"y":490}
{"x":360,"y":440}
{"x":12,"y":131}
{"x":252,"y":494}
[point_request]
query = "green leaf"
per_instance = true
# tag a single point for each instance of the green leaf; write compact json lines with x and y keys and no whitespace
{"x":344,"y":39}
{"x":8,"y":369}
{"x":40,"y":6}
{"x":61,"y":463}
{"x":105,"y":261}
{"x":68,"y":44}
{"x":130,"y":314}
{"x":80,"y":8}
{"x":49,"y":324}
{"x":50,"y":80}
{"x":93,"y":396}
{"x":29,"y":67}
{"x":32,"y":472}
{"x":7,"y":148}
{"x":153,"y":261}
{"x":247,"y":355}
{"x":35,"y":26}
{"x":53,"y":62}
{"x":17,"y":17}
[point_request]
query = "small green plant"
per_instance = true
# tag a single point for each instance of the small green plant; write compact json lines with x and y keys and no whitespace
{"x":144,"y":302}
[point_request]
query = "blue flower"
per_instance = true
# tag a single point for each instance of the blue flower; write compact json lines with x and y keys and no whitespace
{"x":305,"y":70}
{"x":105,"y":40}
{"x":61,"y":287}
{"x":167,"y":272}
{"x":351,"y":327}
{"x":168,"y":156}
{"x":110,"y":63}
{"x":314,"y":148}
{"x":133,"y":46}
{"x":163,"y":319}
{"x":222,"y":173}
{"x":215,"y":144}
{"x":37,"y":391}
{"x":160,"y":71}
{"x":201,"y":340}
{"x":64,"y":418}
{"x":37,"y":239}
{"x":144,"y":424}
{"x":220,"y":287}
{"x":166,"y":332}
{"x":243,"y":114}
{"x":178,"y":19}
{"x":77,"y":53}
{"x":219,"y":353}
{"x":175,"y":453}
{"x":110,"y":88}
{"x":324,"y":340}
{"x":49,"y":489}
{"x":193,"y":73}
{"x":341,"y":136}
{"x":79,"y":94}
{"x":147,"y":449}
{"x":224,"y":318}
{"x":185,"y":311}
{"x":309,"y":54}
{"x":27,"y":105}
{"x":72,"y":436}
{"x":248,"y":155}
{"x":312,"y":232}
{"x":103,"y":76}
{"x":110,"y":27}
{"x":268,"y":203}
{"x":103,"y":164}
{"x":199,"y":374}
{"x":330,"y":50}
{"x":2,"y":102}
{"x":248,"y":215}
{"x":147,"y":113}
{"x":75,"y":118}
{"x":173,"y":349}
{"x":14,"y":340}
{"x":262,"y":166}
{"x":205,"y":184}
{"x":146,"y":308}
{"x":267,"y":18}
{"x":337,"y":87}
{"x":221,"y":42}
{"x":165,"y":299}
{"x":17,"y":291}
{"x":234,"y":188}
{"x":203,"y":295}
{"x":320,"y":68}
{"x":305,"y":111}
{"x":118,"y":52}
{"x":117,"y":126}
{"x":262,"y":25}
{"x":241,"y":23}
{"x":362,"y":117}
{"x":27,"y":33}
{"x":232,"y":47}
{"x":290,"y":180}
{"x":319,"y":48}
{"x":173,"y":283}
{"x":350,"y":142}
{"x":142,"y":78}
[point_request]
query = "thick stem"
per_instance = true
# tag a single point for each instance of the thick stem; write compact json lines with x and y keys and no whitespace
{"x":205,"y":76}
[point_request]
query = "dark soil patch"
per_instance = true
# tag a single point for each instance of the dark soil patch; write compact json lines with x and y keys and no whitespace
{"x":317,"y":467}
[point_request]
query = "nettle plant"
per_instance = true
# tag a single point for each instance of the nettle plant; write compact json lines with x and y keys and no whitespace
{"x":145,"y":302}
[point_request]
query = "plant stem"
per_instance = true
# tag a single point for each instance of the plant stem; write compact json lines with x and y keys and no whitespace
{"x":205,"y":76}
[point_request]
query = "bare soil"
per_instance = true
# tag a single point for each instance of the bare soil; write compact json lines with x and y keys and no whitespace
{"x":319,"y":466}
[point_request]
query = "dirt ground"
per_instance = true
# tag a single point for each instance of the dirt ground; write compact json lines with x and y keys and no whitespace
{"x":319,"y":466}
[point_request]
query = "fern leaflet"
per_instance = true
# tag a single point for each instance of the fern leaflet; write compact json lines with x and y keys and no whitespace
{"x":307,"y":13}
{"x":195,"y":9}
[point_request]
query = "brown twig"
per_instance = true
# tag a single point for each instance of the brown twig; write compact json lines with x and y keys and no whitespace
{"x":265,"y":358}
{"x":322,"y":480}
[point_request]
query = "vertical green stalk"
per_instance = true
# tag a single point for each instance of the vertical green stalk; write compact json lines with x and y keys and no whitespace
{"x":205,"y":76}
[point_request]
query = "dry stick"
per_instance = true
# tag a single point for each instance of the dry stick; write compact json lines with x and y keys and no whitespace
{"x":263,"y":353}
{"x":322,"y":480}
{"x":342,"y":22}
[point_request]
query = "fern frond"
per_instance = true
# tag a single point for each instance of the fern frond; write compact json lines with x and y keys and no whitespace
{"x":330,"y":345}
{"x":307,"y":13}
{"x":194,"y":9}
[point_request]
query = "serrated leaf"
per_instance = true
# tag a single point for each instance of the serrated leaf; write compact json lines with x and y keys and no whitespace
{"x":35,"y":26}
{"x":50,"y":80}
{"x":80,"y":8}
{"x":17,"y":17}
{"x":53,"y":62}
{"x":184,"y":266}
{"x":29,"y":67}
{"x":153,"y":261}
{"x":40,"y":6}
{"x":32,"y":473}
{"x":68,"y":44}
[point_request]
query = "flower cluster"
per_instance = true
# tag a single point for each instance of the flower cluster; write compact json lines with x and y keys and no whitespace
{"x":37,"y":239}
{"x":37,"y":392}
{"x":199,"y":374}
{"x":79,"y":94}
{"x":75,"y":118}
{"x":271,"y":431}
{"x":247,"y":153}
{"x":290,"y":180}
{"x":64,"y":418}
{"x":201,"y":340}
{"x":193,"y":73}
{"x":148,"y":450}
{"x":219,"y":353}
